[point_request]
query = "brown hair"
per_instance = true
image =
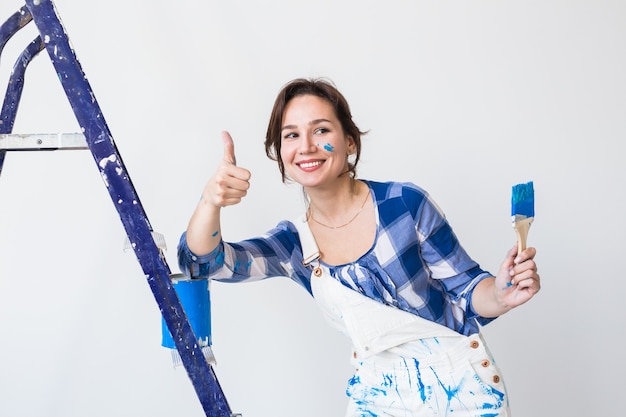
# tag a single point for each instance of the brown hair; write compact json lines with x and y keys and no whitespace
{"x":323,"y":89}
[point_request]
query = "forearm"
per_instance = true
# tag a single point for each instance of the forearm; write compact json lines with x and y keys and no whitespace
{"x":203,"y":230}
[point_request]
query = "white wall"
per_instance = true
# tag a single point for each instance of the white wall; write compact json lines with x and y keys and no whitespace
{"x":463,"y":98}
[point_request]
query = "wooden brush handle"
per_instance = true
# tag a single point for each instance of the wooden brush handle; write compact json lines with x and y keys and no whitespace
{"x":521,"y":229}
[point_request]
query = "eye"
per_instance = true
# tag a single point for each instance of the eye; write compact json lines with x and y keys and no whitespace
{"x":321,"y":130}
{"x":290,"y":135}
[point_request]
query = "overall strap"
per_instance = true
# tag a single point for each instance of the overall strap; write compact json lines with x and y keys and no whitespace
{"x":310,"y":251}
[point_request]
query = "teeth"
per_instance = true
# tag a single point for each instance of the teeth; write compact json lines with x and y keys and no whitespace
{"x":310,"y":164}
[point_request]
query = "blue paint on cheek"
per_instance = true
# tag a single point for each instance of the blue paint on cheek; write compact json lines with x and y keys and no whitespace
{"x":329,"y":147}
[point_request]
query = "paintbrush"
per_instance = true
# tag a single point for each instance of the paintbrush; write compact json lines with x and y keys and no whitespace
{"x":522,"y":212}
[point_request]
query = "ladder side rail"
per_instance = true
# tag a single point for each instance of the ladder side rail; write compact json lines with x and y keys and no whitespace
{"x":126,"y":201}
{"x":14,"y":90}
{"x":8,"y":29}
{"x":13,"y":24}
{"x":15,"y":86}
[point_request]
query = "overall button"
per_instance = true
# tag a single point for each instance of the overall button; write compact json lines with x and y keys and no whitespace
{"x":496,"y":378}
{"x":317,"y":272}
{"x":485,"y":363}
{"x":474,"y":344}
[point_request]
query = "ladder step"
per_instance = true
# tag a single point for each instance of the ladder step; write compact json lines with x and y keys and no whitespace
{"x":43,"y":142}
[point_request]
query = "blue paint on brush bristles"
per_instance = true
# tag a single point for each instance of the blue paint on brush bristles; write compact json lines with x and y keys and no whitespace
{"x":523,"y":200}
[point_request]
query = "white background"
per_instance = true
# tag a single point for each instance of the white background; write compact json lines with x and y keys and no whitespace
{"x":463,"y":98}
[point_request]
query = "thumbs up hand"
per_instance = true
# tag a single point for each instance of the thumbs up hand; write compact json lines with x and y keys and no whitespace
{"x":230,"y":183}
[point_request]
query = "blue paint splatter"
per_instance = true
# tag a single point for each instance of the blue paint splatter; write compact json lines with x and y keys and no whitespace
{"x":216,"y":233}
{"x":329,"y":147}
{"x":219,"y":259}
{"x":420,"y":383}
{"x":364,"y":397}
{"x":457,"y":391}
{"x":450,"y":392}
{"x":387,"y":380}
{"x":355,"y":380}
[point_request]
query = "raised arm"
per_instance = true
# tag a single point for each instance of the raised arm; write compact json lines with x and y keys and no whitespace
{"x":226,"y":187}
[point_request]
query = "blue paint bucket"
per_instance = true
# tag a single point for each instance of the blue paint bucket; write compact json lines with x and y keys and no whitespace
{"x":195,"y":297}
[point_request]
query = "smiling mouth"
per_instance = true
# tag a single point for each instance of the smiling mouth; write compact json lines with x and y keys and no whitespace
{"x":310,"y":164}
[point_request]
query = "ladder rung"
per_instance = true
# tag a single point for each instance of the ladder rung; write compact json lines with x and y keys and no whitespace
{"x":42,"y":141}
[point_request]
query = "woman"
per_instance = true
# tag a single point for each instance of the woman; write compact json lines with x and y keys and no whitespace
{"x":380,"y":259}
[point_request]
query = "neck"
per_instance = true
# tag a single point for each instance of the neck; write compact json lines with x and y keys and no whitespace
{"x":338,"y":206}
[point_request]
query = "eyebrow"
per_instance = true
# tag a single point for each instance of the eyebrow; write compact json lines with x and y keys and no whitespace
{"x":311,"y":123}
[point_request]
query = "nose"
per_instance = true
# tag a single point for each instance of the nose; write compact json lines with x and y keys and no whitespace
{"x":307,"y":145}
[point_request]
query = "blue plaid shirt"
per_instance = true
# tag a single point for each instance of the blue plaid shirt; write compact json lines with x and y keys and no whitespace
{"x":416,"y":263}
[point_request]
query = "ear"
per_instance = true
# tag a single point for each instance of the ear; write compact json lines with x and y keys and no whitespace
{"x":351,"y":145}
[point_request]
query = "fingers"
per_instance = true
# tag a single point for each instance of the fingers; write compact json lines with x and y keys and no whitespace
{"x":523,"y":256}
{"x":229,"y":185}
{"x":524,"y":271}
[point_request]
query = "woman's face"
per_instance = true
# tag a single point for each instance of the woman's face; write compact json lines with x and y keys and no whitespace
{"x":314,"y":148}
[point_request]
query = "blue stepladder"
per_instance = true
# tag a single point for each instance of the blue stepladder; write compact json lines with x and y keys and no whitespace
{"x":96,"y":137}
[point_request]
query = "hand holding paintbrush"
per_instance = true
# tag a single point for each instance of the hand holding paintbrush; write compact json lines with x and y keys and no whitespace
{"x":522,"y":214}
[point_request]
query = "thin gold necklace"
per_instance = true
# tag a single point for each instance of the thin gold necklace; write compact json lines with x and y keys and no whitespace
{"x":345,"y":224}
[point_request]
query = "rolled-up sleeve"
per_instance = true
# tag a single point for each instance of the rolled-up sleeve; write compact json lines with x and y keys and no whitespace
{"x":269,"y":255}
{"x":199,"y":266}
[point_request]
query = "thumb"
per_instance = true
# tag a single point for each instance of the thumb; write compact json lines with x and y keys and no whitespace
{"x":229,"y":148}
{"x":509,"y":260}
{"x":507,"y":265}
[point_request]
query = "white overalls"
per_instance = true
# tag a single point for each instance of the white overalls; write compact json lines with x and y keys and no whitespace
{"x":407,"y":366}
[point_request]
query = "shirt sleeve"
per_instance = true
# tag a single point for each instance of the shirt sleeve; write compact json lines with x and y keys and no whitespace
{"x":447,"y":260}
{"x":269,"y":255}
